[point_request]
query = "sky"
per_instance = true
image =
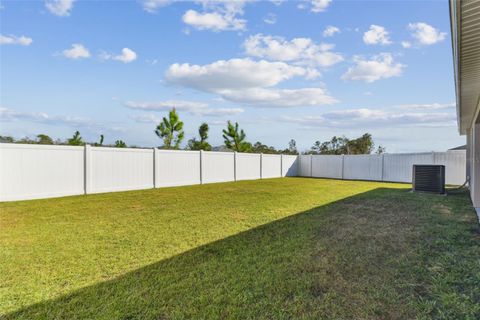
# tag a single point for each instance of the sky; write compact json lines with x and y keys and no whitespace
{"x":303,"y":70}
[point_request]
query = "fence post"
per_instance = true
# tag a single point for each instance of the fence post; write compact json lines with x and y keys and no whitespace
{"x":201,"y":166}
{"x":311,"y":165}
{"x":156,"y":157}
{"x":261,"y":165}
{"x":235,"y":166}
{"x":383,"y":167}
{"x":87,"y":168}
{"x":281,"y":165}
{"x":343,"y":165}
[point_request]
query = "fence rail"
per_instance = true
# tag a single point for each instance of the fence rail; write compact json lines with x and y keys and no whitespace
{"x":39,"y":171}
{"x":385,"y":167}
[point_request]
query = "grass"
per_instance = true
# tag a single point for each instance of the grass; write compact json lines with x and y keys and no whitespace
{"x":270,"y":249}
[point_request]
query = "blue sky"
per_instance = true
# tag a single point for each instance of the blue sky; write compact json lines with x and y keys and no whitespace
{"x":304,"y":70}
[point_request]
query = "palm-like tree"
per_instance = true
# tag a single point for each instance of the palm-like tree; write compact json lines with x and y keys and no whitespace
{"x":76,"y":140}
{"x":234,"y":138}
{"x":171,"y":130}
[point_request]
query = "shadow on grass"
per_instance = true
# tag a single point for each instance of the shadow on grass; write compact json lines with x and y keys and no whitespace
{"x":367,"y":256}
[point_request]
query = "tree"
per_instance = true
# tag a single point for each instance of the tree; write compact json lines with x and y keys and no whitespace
{"x":120,"y":144}
{"x":76,"y":140}
{"x":259,"y":147}
{"x":381,"y":150}
{"x":44,"y":139}
{"x":194,"y":144}
{"x":343,"y":145}
{"x":7,"y":139}
{"x":171,"y":130}
{"x":292,"y":147}
{"x":234,"y":138}
{"x":100,"y":143}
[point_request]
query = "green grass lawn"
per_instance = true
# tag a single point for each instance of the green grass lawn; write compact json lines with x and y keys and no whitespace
{"x":292,"y":248}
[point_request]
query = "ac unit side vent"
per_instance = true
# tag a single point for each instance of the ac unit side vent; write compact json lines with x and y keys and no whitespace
{"x":429,"y":178}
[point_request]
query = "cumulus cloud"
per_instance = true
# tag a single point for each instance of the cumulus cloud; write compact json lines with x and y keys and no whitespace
{"x":270,"y":18}
{"x":319,"y":5}
{"x":330,"y":31}
{"x":153,"y":5}
{"x":376,"y":35}
{"x":381,"y":66}
{"x":77,"y":51}
{"x":281,"y":98}
{"x":300,"y":50}
{"x":427,"y":106}
{"x":22,"y":40}
{"x":406,"y":44}
{"x":127,"y":56}
{"x":192,"y":107}
{"x":368,"y":118}
{"x":217,"y":16}
{"x":426,"y":34}
{"x":61,"y":8}
{"x":249,"y":82}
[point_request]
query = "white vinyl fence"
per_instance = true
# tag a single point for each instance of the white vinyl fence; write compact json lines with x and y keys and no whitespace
{"x":386,"y":167}
{"x":39,"y":171}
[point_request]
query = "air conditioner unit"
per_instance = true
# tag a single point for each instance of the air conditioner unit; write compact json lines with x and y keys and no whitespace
{"x":428,"y":178}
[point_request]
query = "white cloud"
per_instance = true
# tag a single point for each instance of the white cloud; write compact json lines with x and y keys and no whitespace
{"x":78,"y":51}
{"x":406,"y":44}
{"x":192,"y":107}
{"x":381,"y":66}
{"x":249,"y":82}
{"x":426,"y":34}
{"x":153,"y":5}
{"x":217,"y":16}
{"x":232,"y":74}
{"x":319,"y":5}
{"x":330,"y":31}
{"x":270,"y":18}
{"x":61,"y":8}
{"x":22,"y":40}
{"x":12,"y":115}
{"x":376,"y":35}
{"x":127,"y":56}
{"x":369,"y":118}
{"x":281,"y":98}
{"x":300,"y":50}
{"x":427,"y":106}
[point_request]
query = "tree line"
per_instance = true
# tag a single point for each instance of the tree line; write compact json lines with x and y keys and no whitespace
{"x":170,"y":131}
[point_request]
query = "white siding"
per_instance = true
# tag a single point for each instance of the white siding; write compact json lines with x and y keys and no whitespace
{"x":218,"y":167}
{"x":327,"y":166}
{"x":271,"y":166}
{"x":362,"y":167}
{"x":40,"y":171}
{"x":176,"y":168}
{"x":290,"y":166}
{"x":248,"y":166}
{"x":119,"y":169}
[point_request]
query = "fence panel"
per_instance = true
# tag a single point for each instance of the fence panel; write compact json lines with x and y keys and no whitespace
{"x":119,"y":169}
{"x":290,"y":166}
{"x":455,"y":166}
{"x":218,"y":166}
{"x":40,"y":171}
{"x":305,"y":165}
{"x":176,"y":168}
{"x":327,"y":166}
{"x":271,"y":166}
{"x":362,"y":167}
{"x":247,"y":166}
{"x":398,"y":167}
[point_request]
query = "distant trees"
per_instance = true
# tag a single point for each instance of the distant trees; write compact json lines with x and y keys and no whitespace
{"x":343,"y":145}
{"x":120,"y":144}
{"x":234,"y":138}
{"x":170,"y":130}
{"x":44,"y":139}
{"x":202,"y":144}
{"x":76,"y":139}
